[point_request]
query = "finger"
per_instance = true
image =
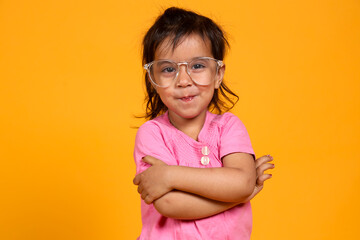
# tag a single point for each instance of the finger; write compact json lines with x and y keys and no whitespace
{"x":260,"y":170}
{"x":260,"y":181}
{"x":144,"y":194}
{"x":140,"y":189}
{"x":136,"y":179}
{"x":263,"y":159}
{"x":149,"y":159}
{"x":153,"y":161}
{"x":148,"y":199}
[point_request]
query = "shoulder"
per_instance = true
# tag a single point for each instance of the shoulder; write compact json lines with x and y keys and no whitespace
{"x":153,"y":138}
{"x":234,"y":137}
{"x":226,"y":120}
{"x":155,"y":127}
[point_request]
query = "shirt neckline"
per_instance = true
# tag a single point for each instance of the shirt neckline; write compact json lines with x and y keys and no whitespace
{"x":201,"y":137}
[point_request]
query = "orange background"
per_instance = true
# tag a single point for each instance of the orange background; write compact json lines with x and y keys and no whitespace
{"x":71,"y":81}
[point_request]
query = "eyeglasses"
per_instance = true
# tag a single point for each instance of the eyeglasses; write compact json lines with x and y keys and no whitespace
{"x":202,"y":71}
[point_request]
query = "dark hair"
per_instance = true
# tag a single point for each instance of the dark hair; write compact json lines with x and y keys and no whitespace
{"x":177,"y":23}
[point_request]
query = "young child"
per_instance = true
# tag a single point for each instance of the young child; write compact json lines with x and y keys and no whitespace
{"x":196,"y":170}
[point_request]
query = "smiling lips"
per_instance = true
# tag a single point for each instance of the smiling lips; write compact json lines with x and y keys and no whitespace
{"x":187,"y":99}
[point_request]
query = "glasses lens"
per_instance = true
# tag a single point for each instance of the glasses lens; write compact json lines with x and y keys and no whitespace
{"x":203,"y":70}
{"x":163,"y":72}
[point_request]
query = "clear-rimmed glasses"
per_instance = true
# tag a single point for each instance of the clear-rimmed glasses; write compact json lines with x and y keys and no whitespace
{"x":202,"y":70}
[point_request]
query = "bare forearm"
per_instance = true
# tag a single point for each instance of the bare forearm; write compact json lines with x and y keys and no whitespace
{"x":234,"y":182}
{"x":182,"y":205}
{"x":223,"y":184}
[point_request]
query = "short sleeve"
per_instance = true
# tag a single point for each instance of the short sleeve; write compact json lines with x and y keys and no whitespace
{"x":234,"y":136}
{"x":150,"y":141}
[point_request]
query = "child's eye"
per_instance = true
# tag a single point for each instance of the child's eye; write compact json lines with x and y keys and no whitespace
{"x":198,"y":66}
{"x":168,"y":70}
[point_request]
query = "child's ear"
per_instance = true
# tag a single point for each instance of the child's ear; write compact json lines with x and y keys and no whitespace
{"x":219,"y":76}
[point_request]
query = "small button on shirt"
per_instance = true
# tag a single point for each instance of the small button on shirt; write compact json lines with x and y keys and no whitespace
{"x":205,"y":152}
{"x":220,"y":136}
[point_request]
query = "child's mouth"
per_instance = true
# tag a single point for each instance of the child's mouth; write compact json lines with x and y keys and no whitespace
{"x":187,"y":99}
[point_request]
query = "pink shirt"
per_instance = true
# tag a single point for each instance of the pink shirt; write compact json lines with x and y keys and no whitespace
{"x":222,"y":135}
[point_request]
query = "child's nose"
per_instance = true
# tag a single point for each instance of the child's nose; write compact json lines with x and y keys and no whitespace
{"x":183,"y":79}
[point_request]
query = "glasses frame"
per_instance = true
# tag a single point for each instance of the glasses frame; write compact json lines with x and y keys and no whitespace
{"x":147,"y":67}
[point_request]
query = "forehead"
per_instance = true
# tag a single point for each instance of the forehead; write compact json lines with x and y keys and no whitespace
{"x":187,"y":48}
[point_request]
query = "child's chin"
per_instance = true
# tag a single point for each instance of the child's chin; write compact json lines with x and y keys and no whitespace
{"x":189,"y":115}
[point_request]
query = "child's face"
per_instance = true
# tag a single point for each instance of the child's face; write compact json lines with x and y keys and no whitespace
{"x":184,"y":98}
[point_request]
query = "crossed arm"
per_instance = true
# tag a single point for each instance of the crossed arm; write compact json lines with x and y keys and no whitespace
{"x":192,"y":193}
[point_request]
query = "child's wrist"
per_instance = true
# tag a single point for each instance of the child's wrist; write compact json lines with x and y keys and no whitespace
{"x":169,"y":176}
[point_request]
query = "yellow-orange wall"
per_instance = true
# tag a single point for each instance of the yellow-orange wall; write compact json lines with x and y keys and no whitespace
{"x":71,"y":81}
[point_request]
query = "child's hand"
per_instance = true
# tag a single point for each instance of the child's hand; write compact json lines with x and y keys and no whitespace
{"x":152,"y":182}
{"x":262,"y":164}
